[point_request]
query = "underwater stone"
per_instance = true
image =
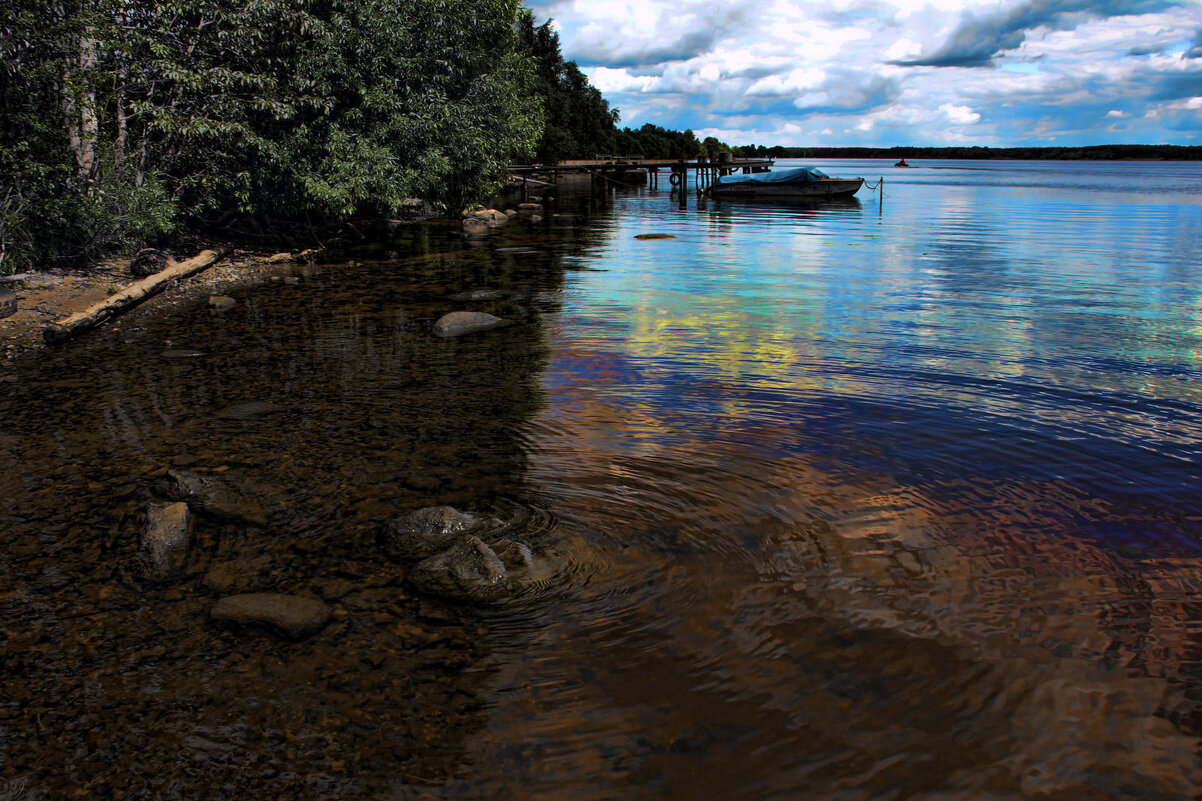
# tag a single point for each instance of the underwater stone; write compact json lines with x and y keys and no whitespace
{"x":461,"y":322}
{"x":293,"y":615}
{"x":423,"y":533}
{"x":165,"y":539}
{"x":467,"y":571}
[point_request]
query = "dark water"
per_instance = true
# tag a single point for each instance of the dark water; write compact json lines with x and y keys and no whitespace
{"x":885,"y":500}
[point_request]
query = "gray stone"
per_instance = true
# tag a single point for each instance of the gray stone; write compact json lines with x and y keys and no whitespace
{"x":490,"y":217}
{"x":458,"y":323}
{"x":165,"y":539}
{"x":467,"y":571}
{"x":221,"y":302}
{"x":293,"y":615}
{"x":8,"y":302}
{"x":530,"y":207}
{"x":423,"y":533}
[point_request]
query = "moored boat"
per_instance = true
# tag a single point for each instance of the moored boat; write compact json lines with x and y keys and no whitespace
{"x":798,"y":182}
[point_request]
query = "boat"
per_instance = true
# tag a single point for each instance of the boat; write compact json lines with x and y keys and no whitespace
{"x":798,"y":182}
{"x":901,"y":163}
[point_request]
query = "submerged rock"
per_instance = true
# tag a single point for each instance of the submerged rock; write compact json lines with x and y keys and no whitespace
{"x":293,"y":615}
{"x":221,"y":302}
{"x":458,"y":323}
{"x":421,"y":534}
{"x":480,"y":559}
{"x":468,"y":571}
{"x":165,"y":539}
{"x":225,"y":495}
{"x":8,"y":302}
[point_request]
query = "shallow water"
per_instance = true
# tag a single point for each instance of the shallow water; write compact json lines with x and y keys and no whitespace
{"x":892,"y":498}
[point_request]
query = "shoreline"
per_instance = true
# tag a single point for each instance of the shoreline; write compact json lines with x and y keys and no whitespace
{"x":48,"y":297}
{"x":51,"y":296}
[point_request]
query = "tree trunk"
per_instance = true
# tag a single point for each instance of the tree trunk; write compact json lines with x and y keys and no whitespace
{"x":119,"y":147}
{"x":83,"y":125}
{"x":131,"y":296}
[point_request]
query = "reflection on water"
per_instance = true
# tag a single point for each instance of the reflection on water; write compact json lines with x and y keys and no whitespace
{"x":867,"y":501}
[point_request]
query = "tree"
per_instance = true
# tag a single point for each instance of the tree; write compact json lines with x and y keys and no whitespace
{"x":579,"y":121}
{"x":123,"y":118}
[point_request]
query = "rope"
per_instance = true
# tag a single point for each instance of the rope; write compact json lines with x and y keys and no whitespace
{"x":874,"y":188}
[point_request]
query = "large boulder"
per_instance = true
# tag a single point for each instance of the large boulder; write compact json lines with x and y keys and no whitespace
{"x":165,"y":539}
{"x":294,"y":616}
{"x":458,"y":323}
{"x":8,"y":302}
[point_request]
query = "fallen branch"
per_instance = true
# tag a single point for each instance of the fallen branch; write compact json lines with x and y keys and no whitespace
{"x":129,"y":297}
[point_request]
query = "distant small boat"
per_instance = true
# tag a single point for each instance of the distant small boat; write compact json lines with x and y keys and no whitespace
{"x":902,"y":163}
{"x":799,"y":182}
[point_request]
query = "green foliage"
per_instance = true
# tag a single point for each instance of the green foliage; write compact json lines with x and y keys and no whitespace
{"x":579,"y":121}
{"x":123,"y":119}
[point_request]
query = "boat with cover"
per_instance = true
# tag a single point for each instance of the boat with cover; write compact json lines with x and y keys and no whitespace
{"x":797,"y":182}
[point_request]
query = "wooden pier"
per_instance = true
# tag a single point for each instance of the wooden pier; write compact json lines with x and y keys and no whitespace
{"x":609,"y":171}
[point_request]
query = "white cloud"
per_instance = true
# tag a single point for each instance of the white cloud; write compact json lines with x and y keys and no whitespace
{"x":798,"y":72}
{"x":959,"y":115}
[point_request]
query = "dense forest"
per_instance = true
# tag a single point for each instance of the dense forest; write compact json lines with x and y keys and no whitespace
{"x":124,"y":121}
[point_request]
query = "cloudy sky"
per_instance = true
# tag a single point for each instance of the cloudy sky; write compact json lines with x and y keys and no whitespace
{"x":895,"y":72}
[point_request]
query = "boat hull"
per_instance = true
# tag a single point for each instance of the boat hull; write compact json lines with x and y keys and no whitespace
{"x":815,"y":190}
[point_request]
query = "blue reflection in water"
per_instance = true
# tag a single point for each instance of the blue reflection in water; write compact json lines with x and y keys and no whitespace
{"x":994,"y":321}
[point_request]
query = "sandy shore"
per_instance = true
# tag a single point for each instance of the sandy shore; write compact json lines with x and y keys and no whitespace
{"x":46,"y":297}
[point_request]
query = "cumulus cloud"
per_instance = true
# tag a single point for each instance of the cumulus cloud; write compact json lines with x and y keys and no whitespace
{"x":977,"y":41}
{"x":638,"y":33}
{"x":793,"y":72}
{"x":849,"y":93}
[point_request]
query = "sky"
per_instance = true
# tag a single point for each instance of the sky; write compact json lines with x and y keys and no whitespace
{"x":837,"y":73}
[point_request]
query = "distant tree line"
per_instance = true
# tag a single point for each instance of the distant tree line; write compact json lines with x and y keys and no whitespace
{"x":122,"y":121}
{"x":580,"y":123}
{"x":1091,"y":153}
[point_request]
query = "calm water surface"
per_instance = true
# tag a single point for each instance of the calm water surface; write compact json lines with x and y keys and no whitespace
{"x":895,"y":498}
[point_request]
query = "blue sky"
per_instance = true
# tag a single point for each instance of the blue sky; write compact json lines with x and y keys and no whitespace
{"x":895,"y":72}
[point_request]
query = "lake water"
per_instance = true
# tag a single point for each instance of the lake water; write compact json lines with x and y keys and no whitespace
{"x":893,"y":498}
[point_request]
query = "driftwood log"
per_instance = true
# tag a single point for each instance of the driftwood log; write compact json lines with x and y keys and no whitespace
{"x":129,"y":297}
